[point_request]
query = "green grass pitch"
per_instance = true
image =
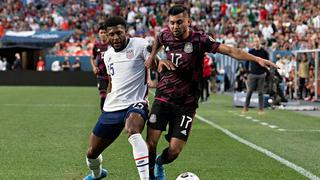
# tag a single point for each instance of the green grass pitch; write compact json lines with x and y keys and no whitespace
{"x":44,"y":135}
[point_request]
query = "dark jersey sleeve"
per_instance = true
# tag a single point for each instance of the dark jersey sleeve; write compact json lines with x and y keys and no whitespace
{"x":94,"y":52}
{"x":163,"y":35}
{"x":209,"y":44}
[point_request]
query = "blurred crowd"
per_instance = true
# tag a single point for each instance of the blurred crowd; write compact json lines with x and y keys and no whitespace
{"x":280,"y":24}
{"x":283,"y":25}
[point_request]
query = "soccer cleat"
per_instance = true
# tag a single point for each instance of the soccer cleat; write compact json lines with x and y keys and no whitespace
{"x":159,"y":171}
{"x":103,"y":174}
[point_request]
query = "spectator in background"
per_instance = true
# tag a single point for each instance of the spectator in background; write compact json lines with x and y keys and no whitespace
{"x":66,"y":64}
{"x":56,"y":66}
{"x":3,"y":64}
{"x":214,"y":73}
{"x":310,"y":86}
{"x":241,"y":77}
{"x":6,"y":65}
{"x":205,"y":85}
{"x":76,"y":65}
{"x":17,"y":64}
{"x":40,"y":64}
{"x":303,"y":73}
{"x":256,"y":76}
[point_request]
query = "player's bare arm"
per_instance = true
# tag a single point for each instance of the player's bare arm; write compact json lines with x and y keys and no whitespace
{"x":93,"y":65}
{"x":241,"y":55}
{"x":150,"y":63}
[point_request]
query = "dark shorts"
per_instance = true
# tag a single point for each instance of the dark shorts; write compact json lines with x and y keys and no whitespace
{"x":179,"y":119}
{"x":102,"y":87}
{"x":110,"y":124}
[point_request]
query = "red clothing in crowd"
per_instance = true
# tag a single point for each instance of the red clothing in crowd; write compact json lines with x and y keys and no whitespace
{"x":206,"y":66}
{"x":263,"y":14}
{"x":40,"y":65}
{"x":223,"y":9}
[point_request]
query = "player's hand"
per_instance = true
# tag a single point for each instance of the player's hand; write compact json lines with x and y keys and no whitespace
{"x":166,"y":64}
{"x":95,"y":70}
{"x":265,"y":63}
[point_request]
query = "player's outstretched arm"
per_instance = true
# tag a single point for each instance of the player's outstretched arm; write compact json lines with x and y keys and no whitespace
{"x":241,"y":55}
{"x":151,"y":61}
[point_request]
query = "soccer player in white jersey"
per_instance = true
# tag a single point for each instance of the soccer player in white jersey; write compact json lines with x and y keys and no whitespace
{"x":126,"y":105}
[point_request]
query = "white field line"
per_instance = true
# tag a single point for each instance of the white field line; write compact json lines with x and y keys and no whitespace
{"x":270,"y":154}
{"x":280,"y":129}
{"x":300,"y":130}
{"x":273,"y":126}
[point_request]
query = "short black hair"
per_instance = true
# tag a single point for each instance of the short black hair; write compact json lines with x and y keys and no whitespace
{"x":101,"y":26}
{"x":177,"y":9}
{"x":114,"y":21}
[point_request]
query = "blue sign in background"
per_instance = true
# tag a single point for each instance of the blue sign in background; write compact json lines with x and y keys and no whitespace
{"x":84,"y":61}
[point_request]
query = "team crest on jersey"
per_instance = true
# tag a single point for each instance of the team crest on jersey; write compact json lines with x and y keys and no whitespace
{"x":130,"y":53}
{"x":211,"y":39}
{"x":153,"y":118}
{"x":188,"y":48}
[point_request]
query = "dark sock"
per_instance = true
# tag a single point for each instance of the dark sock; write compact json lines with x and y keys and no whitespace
{"x":163,"y":159}
{"x":151,"y":172}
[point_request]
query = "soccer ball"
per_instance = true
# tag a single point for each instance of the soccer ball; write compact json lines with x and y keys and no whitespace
{"x":188,"y":176}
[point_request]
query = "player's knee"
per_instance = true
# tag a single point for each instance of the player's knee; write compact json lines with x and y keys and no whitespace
{"x":133,"y":126}
{"x":132,"y":130}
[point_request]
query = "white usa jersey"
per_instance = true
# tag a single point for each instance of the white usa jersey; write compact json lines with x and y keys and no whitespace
{"x":128,"y":75}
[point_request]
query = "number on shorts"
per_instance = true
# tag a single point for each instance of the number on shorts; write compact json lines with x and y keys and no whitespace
{"x":186,"y":119}
{"x":138,"y":105}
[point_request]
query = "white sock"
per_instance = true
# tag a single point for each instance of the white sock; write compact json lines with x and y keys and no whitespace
{"x":141,"y":155}
{"x":95,"y":166}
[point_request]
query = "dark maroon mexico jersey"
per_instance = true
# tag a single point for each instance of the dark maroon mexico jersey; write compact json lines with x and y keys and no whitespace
{"x":182,"y":86}
{"x":97,"y":52}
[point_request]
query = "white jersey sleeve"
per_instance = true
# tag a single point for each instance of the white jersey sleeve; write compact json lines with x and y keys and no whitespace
{"x":145,"y":51}
{"x":128,"y":75}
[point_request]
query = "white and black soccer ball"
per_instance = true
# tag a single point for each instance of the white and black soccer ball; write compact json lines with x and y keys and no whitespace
{"x":188,"y":176}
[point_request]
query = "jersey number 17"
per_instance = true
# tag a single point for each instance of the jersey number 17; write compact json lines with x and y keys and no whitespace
{"x":175,"y":57}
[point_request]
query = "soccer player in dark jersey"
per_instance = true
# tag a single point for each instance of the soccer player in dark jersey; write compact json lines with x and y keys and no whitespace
{"x":178,"y":90}
{"x":98,"y":66}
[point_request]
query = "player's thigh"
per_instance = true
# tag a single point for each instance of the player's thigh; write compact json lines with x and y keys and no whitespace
{"x":153,"y":136}
{"x":136,"y":116}
{"x":159,"y":116}
{"x":182,"y":123}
